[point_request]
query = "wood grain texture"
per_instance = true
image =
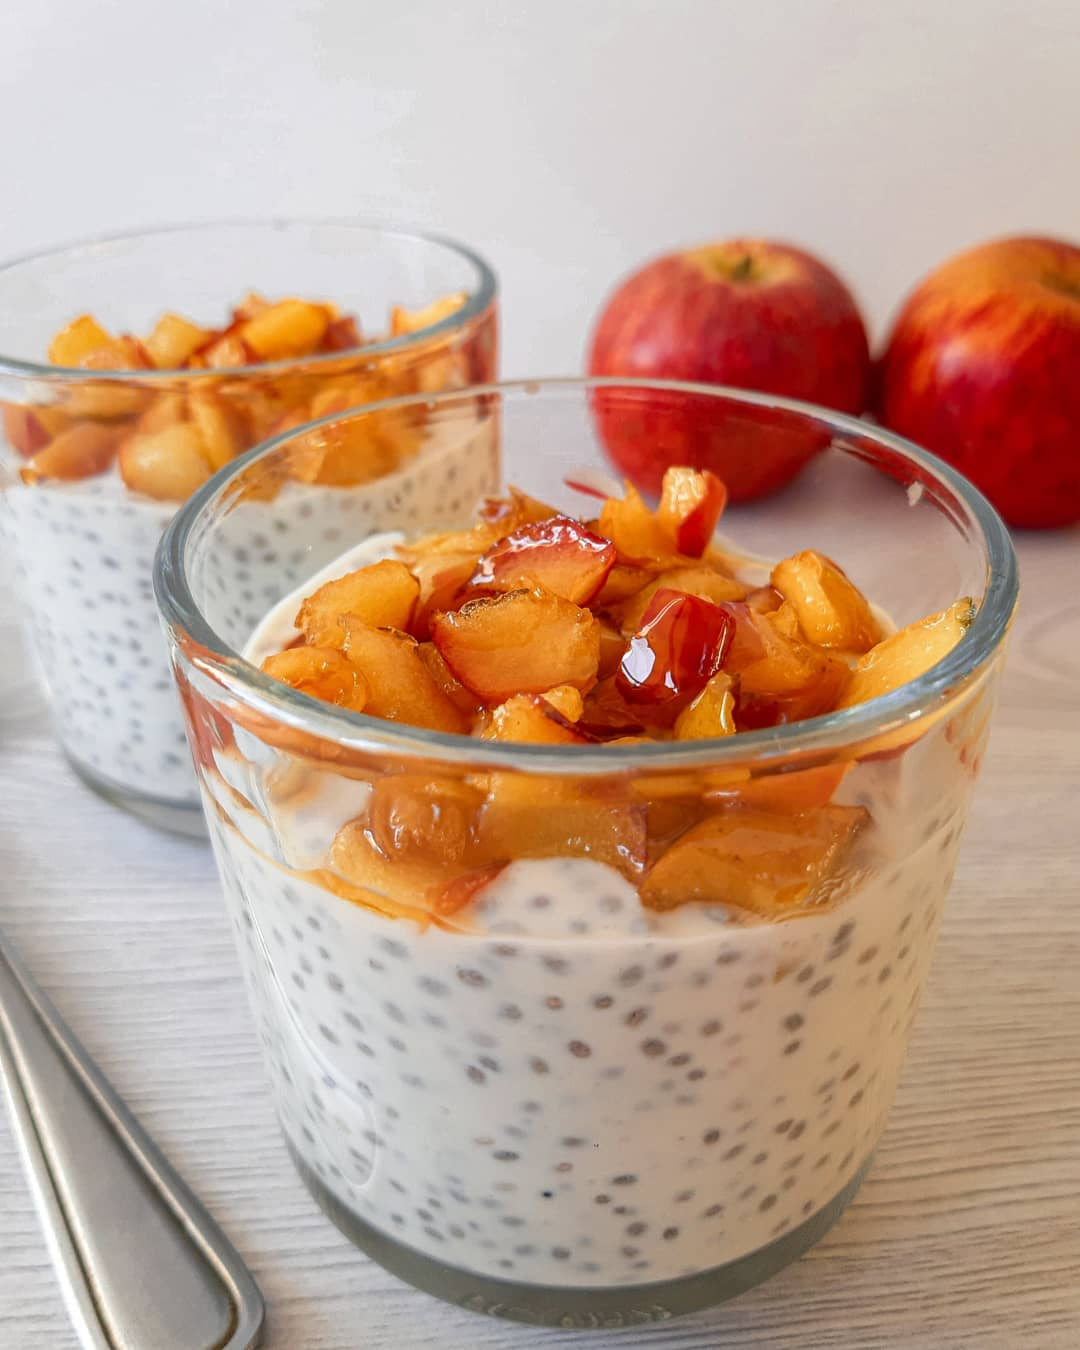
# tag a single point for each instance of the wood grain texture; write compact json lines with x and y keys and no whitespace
{"x":967,"y":1233}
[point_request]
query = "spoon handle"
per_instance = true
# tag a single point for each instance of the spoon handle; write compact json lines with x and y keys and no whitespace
{"x":141,"y":1263}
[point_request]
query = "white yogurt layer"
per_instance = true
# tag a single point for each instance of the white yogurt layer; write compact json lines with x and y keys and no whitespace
{"x":577,"y":1091}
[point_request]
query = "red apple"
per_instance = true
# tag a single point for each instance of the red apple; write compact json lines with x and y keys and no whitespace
{"x":747,"y":313}
{"x":983,"y":367}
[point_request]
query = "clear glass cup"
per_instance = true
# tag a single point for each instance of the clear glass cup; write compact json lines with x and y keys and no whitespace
{"x":83,"y":547}
{"x":557,"y":1105}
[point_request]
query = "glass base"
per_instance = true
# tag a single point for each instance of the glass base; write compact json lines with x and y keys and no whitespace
{"x":573,"y":1306}
{"x":163,"y":814}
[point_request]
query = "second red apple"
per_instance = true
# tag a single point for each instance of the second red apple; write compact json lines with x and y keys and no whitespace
{"x":748,"y":313}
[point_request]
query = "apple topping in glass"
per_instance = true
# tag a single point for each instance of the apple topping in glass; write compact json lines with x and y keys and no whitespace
{"x":533,"y":627}
{"x":167,"y":436}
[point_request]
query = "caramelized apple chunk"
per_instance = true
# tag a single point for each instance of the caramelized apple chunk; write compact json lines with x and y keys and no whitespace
{"x":754,"y":860}
{"x":676,"y":651}
{"x":832,"y":612}
{"x":74,"y":343}
{"x":531,"y":818}
{"x":704,"y":582}
{"x":566,"y":700}
{"x":532,"y":719}
{"x":906,"y":655}
{"x":85,"y":449}
{"x":559,"y":554}
{"x":515,"y":509}
{"x":222,"y":426}
{"x":712,"y":712}
{"x":521,"y":642}
{"x":634,"y":530}
{"x":173,"y":340}
{"x":288,"y":328}
{"x":321,"y":672}
{"x":401,"y":688}
{"x":780,"y":678}
{"x":168,"y":464}
{"x":691,"y":503}
{"x":382,"y":595}
{"x":415,"y":816}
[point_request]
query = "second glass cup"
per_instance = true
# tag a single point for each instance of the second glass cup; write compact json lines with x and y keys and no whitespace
{"x":505,"y":1064}
{"x":94,"y":457}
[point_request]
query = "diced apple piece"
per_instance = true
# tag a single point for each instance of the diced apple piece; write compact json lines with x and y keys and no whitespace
{"x":906,"y":655}
{"x":382,"y":595}
{"x":558,"y":554}
{"x":222,"y":426}
{"x":520,"y":642}
{"x":168,"y":464}
{"x":288,"y":328}
{"x":515,"y":509}
{"x":74,"y":343}
{"x":832,"y":612}
{"x":691,"y":503}
{"x":85,"y":449}
{"x":676,"y":651}
{"x":634,"y":530}
{"x":404,"y":321}
{"x":711,"y":714}
{"x":566,"y":700}
{"x":531,"y":719}
{"x":338,"y":396}
{"x":796,"y":790}
{"x":253,"y":303}
{"x":623,"y":581}
{"x":342,"y":335}
{"x":607,"y":715}
{"x":443,"y":580}
{"x":227,"y":352}
{"x":753,"y":860}
{"x":174,"y":340}
{"x":108,"y":399}
{"x":414,"y":816}
{"x":29,"y":427}
{"x":781,"y":679}
{"x":401,"y":688}
{"x":320,"y":672}
{"x":700,"y":581}
{"x":165,"y":410}
{"x":398,"y":880}
{"x":529,"y":818}
{"x":612,"y":646}
{"x":121,"y":353}
{"x":464,"y":700}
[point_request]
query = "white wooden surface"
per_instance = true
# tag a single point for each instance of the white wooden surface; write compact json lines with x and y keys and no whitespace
{"x":967,"y":1233}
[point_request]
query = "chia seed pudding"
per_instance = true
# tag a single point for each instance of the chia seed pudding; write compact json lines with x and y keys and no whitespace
{"x":569,"y":1089}
{"x":574,"y":1091}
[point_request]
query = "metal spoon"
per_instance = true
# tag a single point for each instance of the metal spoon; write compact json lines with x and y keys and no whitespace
{"x":141,"y":1263}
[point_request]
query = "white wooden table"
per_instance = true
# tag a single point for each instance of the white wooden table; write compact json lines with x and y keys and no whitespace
{"x":967,"y":1232}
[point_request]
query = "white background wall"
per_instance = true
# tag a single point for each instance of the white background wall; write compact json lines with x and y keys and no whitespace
{"x":566,"y":139}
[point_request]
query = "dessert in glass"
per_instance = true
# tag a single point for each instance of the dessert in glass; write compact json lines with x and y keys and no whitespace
{"x":133,"y":368}
{"x":585,"y":862}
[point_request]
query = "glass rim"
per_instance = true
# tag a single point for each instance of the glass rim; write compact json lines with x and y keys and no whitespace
{"x":359,"y":733}
{"x":476,"y":304}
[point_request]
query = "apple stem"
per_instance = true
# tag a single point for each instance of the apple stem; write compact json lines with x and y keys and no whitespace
{"x":742,"y":269}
